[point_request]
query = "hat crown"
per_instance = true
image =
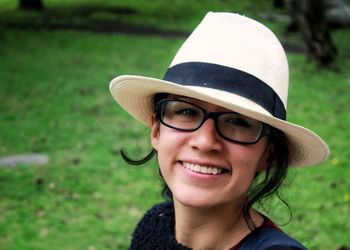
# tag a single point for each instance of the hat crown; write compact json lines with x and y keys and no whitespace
{"x":238,"y":42}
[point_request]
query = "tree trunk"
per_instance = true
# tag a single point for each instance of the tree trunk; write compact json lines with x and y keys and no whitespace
{"x":309,"y":16}
{"x":30,"y":5}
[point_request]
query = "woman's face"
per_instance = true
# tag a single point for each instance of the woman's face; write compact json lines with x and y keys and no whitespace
{"x":185,"y":157}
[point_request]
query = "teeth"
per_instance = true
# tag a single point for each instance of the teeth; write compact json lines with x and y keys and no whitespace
{"x":202,"y":169}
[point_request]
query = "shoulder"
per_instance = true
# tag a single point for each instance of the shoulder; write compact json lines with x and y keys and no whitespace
{"x":156,"y":212}
{"x":156,"y":229}
{"x":270,"y":238}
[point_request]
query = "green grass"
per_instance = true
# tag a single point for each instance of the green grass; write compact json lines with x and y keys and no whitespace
{"x":55,"y":100}
{"x":160,"y":14}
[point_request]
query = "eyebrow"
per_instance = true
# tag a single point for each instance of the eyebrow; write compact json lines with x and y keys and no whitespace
{"x":198,"y":102}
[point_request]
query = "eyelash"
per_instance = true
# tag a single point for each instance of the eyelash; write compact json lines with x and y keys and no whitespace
{"x":186,"y":112}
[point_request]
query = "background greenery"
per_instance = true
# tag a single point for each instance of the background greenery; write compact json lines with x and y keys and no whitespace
{"x":55,"y":68}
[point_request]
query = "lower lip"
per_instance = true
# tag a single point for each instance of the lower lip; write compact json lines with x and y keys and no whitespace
{"x":200,"y":176}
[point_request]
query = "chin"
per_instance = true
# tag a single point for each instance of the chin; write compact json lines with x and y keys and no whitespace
{"x":196,"y":200}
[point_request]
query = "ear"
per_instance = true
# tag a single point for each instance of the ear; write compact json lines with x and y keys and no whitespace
{"x":154,"y":132}
{"x":267,"y":157}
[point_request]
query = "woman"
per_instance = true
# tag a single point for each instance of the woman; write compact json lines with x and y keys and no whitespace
{"x":218,"y":129}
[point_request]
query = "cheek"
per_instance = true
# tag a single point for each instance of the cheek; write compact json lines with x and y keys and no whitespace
{"x":248,"y":156}
{"x":245,"y":164}
{"x":170,"y":138}
{"x":169,"y":145}
{"x":244,"y":157}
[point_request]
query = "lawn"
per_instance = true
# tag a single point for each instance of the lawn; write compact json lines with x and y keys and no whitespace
{"x":55,"y":101}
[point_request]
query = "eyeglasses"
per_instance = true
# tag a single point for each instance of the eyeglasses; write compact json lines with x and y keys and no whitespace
{"x":234,"y":127}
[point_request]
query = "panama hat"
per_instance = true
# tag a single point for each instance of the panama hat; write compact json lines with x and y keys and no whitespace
{"x":231,"y":61}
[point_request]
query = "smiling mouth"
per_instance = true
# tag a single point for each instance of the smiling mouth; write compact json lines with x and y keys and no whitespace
{"x":204,"y":169}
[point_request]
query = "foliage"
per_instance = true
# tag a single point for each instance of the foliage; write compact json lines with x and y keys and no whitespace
{"x":55,"y":100}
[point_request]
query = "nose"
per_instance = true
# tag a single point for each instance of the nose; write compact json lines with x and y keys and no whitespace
{"x":206,"y":138}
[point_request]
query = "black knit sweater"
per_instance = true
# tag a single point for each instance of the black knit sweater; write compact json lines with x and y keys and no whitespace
{"x":155,"y":231}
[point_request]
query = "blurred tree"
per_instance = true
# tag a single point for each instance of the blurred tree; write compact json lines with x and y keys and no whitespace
{"x":30,"y":5}
{"x":309,"y":16}
{"x":337,"y":12}
{"x":279,"y":3}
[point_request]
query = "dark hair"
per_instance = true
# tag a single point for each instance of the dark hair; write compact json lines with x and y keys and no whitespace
{"x":157,"y":98}
{"x":268,"y":182}
{"x":265,"y":183}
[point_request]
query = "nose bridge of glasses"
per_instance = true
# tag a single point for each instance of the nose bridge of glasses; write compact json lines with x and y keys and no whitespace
{"x":213,"y":115}
{"x":210,"y":115}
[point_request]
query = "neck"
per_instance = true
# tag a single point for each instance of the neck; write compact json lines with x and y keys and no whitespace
{"x":219,"y":227}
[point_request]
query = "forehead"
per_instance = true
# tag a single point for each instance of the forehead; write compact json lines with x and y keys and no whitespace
{"x":206,"y":105}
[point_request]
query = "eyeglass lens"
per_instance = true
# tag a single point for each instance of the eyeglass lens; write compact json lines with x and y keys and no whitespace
{"x":185,"y":116}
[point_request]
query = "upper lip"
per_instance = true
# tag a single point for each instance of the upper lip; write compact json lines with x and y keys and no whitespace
{"x":207,"y":163}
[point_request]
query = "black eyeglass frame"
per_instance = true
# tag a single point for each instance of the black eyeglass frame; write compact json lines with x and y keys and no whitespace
{"x":265,"y":128}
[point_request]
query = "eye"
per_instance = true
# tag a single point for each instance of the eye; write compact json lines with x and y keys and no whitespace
{"x":238,"y":121}
{"x":187,"y":112}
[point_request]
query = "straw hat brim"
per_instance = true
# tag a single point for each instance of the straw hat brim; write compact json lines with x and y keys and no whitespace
{"x":135,"y":95}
